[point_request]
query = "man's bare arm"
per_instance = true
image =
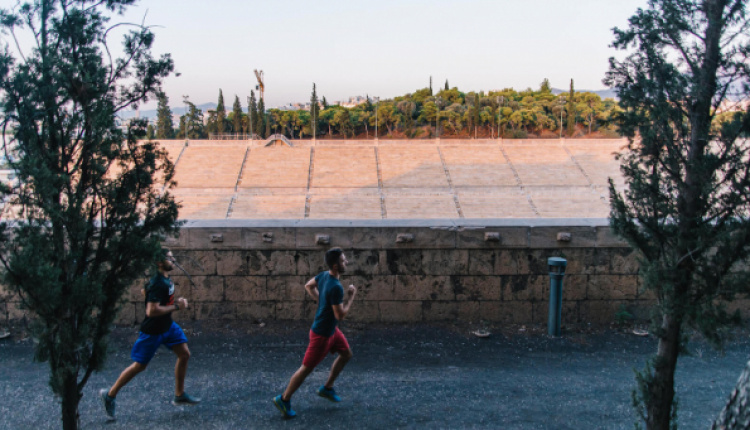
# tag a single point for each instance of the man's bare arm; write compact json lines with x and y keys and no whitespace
{"x":312,"y":289}
{"x":340,"y":311}
{"x":154,"y":309}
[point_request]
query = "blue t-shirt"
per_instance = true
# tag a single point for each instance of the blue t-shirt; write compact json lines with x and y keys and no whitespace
{"x":331,"y":293}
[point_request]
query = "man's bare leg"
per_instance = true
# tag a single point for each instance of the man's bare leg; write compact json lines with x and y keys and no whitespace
{"x":338,"y":366}
{"x":125,"y":377}
{"x":180,"y":368}
{"x":297,"y":379}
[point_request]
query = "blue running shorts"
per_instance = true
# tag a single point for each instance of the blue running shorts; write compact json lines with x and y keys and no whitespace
{"x":147,"y":344}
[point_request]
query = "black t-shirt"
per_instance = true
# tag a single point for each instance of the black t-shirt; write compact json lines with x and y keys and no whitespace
{"x":160,"y":290}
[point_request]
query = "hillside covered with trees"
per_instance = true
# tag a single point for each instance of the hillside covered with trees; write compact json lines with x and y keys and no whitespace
{"x":507,"y":113}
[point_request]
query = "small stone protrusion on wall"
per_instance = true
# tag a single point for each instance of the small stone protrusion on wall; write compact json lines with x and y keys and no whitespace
{"x":322,"y":239}
{"x":268,"y":237}
{"x":492,"y":236}
{"x":564,"y":236}
{"x":404,"y":238}
{"x":218,"y":237}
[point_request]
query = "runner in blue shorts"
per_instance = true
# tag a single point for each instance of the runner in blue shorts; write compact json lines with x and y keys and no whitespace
{"x":157,"y":329}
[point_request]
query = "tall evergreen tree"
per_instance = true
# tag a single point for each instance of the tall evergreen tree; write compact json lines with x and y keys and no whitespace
{"x":446,"y":85}
{"x":164,"y":122}
{"x":686,"y":207}
{"x":260,"y":127}
{"x":314,"y":112}
{"x":221,"y":114}
{"x":93,"y":212}
{"x":324,"y":103}
{"x":252,"y":114}
{"x":430,"y":85}
{"x":571,"y":110}
{"x":237,"y":116}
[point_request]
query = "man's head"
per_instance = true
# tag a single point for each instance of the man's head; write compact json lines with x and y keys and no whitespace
{"x":165,"y":260}
{"x":336,"y":260}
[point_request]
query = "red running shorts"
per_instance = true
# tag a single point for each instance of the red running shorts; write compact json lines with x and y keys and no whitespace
{"x":320,"y":346}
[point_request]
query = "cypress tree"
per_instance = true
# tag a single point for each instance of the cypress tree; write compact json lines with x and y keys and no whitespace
{"x":252,"y":113}
{"x":221,"y":114}
{"x":314,"y":111}
{"x":260,"y":127}
{"x":237,"y":116}
{"x":164,"y":122}
{"x":570,"y":108}
{"x":446,"y":85}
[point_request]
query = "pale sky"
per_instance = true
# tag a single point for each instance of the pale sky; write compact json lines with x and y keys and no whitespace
{"x":383,"y":48}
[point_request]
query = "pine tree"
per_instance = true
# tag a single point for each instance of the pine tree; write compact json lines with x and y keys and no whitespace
{"x":446,"y":85}
{"x":164,"y":122}
{"x":221,"y":114}
{"x":430,"y":85}
{"x":314,"y":112}
{"x":237,"y":116}
{"x":571,"y":111}
{"x":94,"y":213}
{"x":685,"y":210}
{"x":324,"y":103}
{"x":150,"y":133}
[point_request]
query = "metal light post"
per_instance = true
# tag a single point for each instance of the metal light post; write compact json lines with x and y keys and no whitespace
{"x":556,"y":273}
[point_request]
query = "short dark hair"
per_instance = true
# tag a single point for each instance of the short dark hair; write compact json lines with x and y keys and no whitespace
{"x":333,"y":256}
{"x":162,"y":255}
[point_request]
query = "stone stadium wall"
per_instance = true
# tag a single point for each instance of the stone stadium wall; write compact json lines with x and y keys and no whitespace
{"x":406,"y":271}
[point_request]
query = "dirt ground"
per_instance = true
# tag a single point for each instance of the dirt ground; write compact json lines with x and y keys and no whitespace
{"x":416,"y":376}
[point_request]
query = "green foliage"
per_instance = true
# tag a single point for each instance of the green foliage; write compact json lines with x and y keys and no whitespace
{"x":237,"y":116}
{"x":622,"y":316}
{"x":221,"y":114}
{"x":686,"y":207}
{"x":314,"y":111}
{"x":164,"y":123}
{"x":252,"y":113}
{"x":571,"y":110}
{"x":94,"y":213}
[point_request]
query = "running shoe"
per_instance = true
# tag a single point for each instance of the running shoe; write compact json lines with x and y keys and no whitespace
{"x":109,"y":403}
{"x":284,"y":407}
{"x":329,"y":394}
{"x":185,"y":399}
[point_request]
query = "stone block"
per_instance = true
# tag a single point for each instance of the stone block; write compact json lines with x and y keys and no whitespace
{"x":422,"y":287}
{"x":404,"y":262}
{"x":472,"y":288}
{"x":592,"y":261}
{"x":177,"y":242}
{"x":605,"y":237}
{"x":339,"y":237}
{"x":279,"y":238}
{"x":196,"y":263}
{"x":525,"y":287}
{"x":612,"y":287}
{"x":624,"y":261}
{"x":439,"y":310}
{"x":252,"y":311}
{"x":206,"y":289}
{"x":205,"y":238}
{"x":245,"y":288}
{"x":182,"y":287}
{"x":310,"y":263}
{"x":232,"y":263}
{"x":574,"y":287}
{"x":742,"y":305}
{"x":536,"y":261}
{"x":136,"y":290}
{"x":600,"y":311}
{"x":309,"y":309}
{"x":410,"y":311}
{"x":365,"y":262}
{"x":468,"y":311}
{"x":127,"y":315}
{"x":546,"y":237}
{"x":290,"y":310}
{"x":510,"y":237}
{"x":286,"y":288}
{"x":184,"y":315}
{"x":482,"y":262}
{"x":511,"y":262}
{"x":364,"y":311}
{"x":371,"y":288}
{"x":370,"y":238}
{"x":445,"y":261}
{"x":506,"y":312}
{"x":215,"y":311}
{"x":424,"y":238}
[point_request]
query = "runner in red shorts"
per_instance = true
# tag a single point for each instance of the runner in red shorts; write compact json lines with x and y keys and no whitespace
{"x":325,"y":337}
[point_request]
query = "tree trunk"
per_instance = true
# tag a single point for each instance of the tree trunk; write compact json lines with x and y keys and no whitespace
{"x":661,"y":386}
{"x":736,"y":413}
{"x":70,"y":399}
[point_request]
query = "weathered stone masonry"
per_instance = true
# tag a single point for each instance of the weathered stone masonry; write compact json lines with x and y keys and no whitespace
{"x":406,"y":271}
